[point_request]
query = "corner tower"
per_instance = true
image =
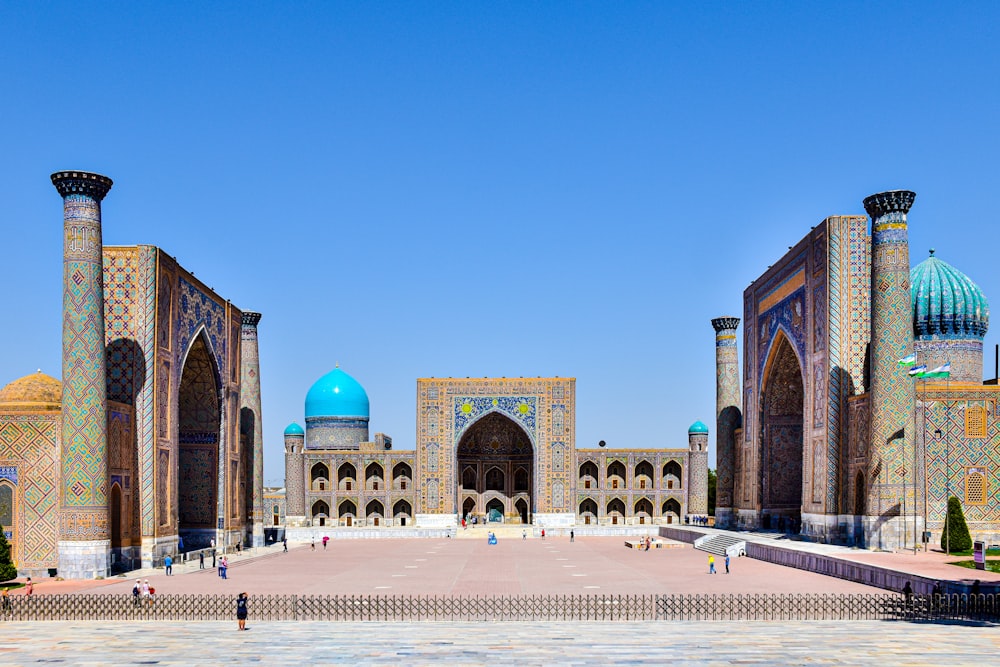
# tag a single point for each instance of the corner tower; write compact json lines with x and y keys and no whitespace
{"x":697,"y":501}
{"x":728,"y":416}
{"x":893,"y":397}
{"x":250,"y":418}
{"x":295,"y":499}
{"x":84,"y":537}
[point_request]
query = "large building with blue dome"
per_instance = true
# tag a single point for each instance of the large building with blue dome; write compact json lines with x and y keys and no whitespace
{"x":860,"y":407}
{"x":488,"y":451}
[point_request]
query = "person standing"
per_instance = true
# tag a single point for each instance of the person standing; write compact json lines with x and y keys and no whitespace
{"x":524,"y":534}
{"x":146,"y":592}
{"x":224,"y":566}
{"x":29,"y":587}
{"x":572,"y":536}
{"x":241,"y":610}
{"x":284,"y":544}
{"x":6,"y":599}
{"x":543,"y":533}
{"x":325,"y":540}
{"x":168,"y":564}
{"x":727,"y":563}
{"x":136,"y":591}
{"x":711,"y":564}
{"x":201,"y":560}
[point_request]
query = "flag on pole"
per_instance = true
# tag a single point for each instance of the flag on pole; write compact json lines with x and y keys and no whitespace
{"x":939,"y":372}
{"x":918,"y":371}
{"x":908,"y":360}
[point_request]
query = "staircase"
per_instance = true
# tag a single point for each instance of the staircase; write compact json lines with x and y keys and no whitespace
{"x":720,"y":544}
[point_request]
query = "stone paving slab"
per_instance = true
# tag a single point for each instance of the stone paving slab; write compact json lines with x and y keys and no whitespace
{"x":884,"y":643}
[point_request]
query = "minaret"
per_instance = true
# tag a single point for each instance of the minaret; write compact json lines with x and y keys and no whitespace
{"x":697,"y":482}
{"x":728,"y":417}
{"x":295,"y":490}
{"x":892,"y":397}
{"x":250,"y":400}
{"x":84,"y":531}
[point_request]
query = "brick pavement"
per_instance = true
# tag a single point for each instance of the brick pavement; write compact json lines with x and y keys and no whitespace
{"x":598,"y":565}
{"x":886,"y":644}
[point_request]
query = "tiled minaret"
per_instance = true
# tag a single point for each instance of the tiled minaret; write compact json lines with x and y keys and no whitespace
{"x":890,"y":456}
{"x":698,"y":470}
{"x":728,"y":417}
{"x":295,"y":491}
{"x":84,"y":532}
{"x":250,"y":400}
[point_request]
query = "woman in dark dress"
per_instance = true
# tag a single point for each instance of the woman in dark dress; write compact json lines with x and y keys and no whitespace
{"x":241,"y":610}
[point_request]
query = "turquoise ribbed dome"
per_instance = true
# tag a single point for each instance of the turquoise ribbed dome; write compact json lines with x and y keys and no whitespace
{"x":946,"y":303}
{"x":337,"y":394}
{"x":697,"y":427}
{"x":294,"y":429}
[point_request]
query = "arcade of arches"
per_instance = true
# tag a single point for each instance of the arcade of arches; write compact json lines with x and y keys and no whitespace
{"x":495,"y":464}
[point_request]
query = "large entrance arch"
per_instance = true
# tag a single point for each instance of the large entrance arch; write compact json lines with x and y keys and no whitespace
{"x":199,"y":422}
{"x":782,"y":403}
{"x":496,"y":461}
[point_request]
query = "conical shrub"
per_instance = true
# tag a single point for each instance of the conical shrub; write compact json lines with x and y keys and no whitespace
{"x":955,"y":535}
{"x":7,"y":569}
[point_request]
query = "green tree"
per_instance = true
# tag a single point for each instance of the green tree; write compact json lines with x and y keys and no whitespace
{"x":955,"y":536}
{"x":712,"y":481}
{"x":7,"y":569}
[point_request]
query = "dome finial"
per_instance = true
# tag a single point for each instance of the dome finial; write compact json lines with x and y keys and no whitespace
{"x":336,"y":364}
{"x":932,"y":252}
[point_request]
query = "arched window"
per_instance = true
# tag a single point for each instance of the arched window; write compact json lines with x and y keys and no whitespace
{"x":469,"y":478}
{"x":616,"y":511}
{"x":643,"y":510}
{"x":373,"y":476}
{"x":320,"y":513}
{"x":588,"y":511}
{"x":644,"y":475}
{"x":672,"y":511}
{"x":616,"y":475}
{"x":673,"y":475}
{"x":975,"y":486}
{"x":346,"y":475}
{"x":589,"y":476}
{"x":318,"y":476}
{"x":494,"y":479}
{"x":859,"y":494}
{"x":520,"y":479}
{"x":401,"y":476}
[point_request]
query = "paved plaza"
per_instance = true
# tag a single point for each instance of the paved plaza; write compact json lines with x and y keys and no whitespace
{"x":592,"y":565}
{"x":882,"y":643}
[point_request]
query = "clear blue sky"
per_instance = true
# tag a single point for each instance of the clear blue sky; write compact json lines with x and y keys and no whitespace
{"x":489,"y":189}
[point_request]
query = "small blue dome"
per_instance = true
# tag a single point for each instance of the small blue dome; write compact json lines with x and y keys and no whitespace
{"x":294,"y":429}
{"x":337,"y":394}
{"x":946,"y":303}
{"x":697,"y":427}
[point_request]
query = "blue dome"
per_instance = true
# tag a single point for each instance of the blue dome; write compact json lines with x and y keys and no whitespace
{"x":337,"y":394}
{"x":294,"y":429}
{"x":697,"y":427}
{"x":946,"y":303}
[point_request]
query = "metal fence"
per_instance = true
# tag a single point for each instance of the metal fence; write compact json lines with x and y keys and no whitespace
{"x":503,"y":608}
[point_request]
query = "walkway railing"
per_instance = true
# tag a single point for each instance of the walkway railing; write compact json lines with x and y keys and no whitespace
{"x":82,"y":607}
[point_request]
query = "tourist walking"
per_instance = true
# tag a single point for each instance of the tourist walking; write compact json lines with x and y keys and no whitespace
{"x":284,"y":543}
{"x":524,"y":534}
{"x":6,"y":599}
{"x":711,"y":564}
{"x":571,"y":535}
{"x":543,"y":533}
{"x":29,"y":587}
{"x":325,"y":540}
{"x":201,"y":560}
{"x":145,"y":591}
{"x":136,"y":591}
{"x":168,"y":564}
{"x":727,"y":563}
{"x":223,"y":566}
{"x":908,"y":593}
{"x":241,"y":610}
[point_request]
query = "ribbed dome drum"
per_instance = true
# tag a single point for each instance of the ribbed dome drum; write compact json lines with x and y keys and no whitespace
{"x":950,"y":319}
{"x":946,"y":303}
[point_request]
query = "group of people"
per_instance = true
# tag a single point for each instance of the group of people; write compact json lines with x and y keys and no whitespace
{"x":711,"y":564}
{"x":143,"y":593}
{"x":698,"y":520}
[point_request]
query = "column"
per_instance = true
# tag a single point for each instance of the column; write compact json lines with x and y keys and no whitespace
{"x":295,"y":478}
{"x":890,"y":456}
{"x":728,"y":418}
{"x":84,"y":536}
{"x":250,"y":401}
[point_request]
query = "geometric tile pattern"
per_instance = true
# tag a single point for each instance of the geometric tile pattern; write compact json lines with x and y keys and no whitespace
{"x":30,"y":443}
{"x":893,"y":395}
{"x":84,"y":438}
